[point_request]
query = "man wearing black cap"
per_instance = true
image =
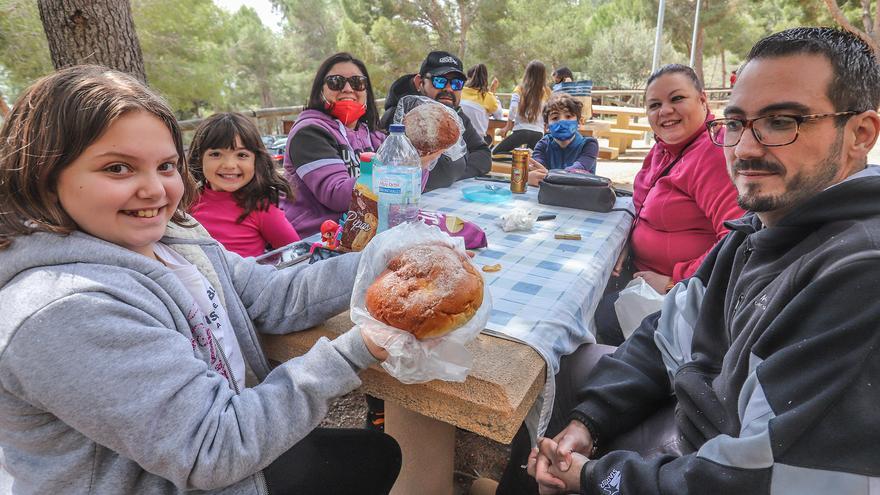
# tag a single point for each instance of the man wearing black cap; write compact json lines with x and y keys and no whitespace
{"x":441,"y":77}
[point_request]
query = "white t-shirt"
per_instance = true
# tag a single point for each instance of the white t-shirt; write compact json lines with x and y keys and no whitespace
{"x":213,"y":313}
{"x":520,"y":122}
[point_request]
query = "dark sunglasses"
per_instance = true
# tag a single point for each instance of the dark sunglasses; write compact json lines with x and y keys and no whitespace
{"x":337,"y":82}
{"x":440,"y":82}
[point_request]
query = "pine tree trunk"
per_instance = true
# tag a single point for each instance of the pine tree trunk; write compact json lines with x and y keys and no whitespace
{"x":92,"y":32}
{"x":698,"y":55}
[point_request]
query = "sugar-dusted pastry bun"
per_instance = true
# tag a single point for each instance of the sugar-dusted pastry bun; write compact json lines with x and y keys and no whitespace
{"x":428,"y":290}
{"x":431,"y":127}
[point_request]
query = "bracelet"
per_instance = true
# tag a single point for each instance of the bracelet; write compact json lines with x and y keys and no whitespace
{"x":581,"y":418}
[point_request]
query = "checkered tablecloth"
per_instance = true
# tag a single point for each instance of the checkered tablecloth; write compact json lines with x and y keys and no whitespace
{"x":548,"y":289}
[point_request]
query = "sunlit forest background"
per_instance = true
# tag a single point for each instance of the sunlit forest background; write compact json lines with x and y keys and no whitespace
{"x":205,"y":59}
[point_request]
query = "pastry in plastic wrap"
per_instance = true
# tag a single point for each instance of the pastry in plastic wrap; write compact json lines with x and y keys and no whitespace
{"x":431,"y":128}
{"x":428,"y":290}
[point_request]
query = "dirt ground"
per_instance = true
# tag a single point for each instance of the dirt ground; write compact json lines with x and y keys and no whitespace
{"x":475,"y":456}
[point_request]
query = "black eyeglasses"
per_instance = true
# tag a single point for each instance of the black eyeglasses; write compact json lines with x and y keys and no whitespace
{"x":337,"y":82}
{"x":770,"y":130}
{"x":440,"y":82}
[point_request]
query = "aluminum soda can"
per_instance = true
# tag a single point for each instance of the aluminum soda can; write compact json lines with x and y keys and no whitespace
{"x":519,"y":170}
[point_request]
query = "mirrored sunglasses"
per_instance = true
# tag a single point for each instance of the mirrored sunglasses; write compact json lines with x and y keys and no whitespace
{"x":440,"y":82}
{"x":337,"y":82}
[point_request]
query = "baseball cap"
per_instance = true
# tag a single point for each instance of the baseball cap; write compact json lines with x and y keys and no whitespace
{"x":439,"y":63}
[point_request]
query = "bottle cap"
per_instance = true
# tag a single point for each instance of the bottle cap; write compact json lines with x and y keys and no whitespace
{"x":366,"y":159}
{"x":396,"y":128}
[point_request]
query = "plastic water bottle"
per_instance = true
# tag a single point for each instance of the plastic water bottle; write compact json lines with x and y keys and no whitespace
{"x":397,"y":179}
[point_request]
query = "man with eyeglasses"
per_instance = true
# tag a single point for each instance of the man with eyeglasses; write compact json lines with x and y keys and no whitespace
{"x":442,"y":78}
{"x":769,"y":355}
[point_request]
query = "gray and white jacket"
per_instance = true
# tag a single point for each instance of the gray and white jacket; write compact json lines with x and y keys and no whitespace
{"x":104,"y":390}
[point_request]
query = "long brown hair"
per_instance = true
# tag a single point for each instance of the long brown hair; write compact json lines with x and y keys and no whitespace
{"x":478,"y":78}
{"x":533,"y":89}
{"x":52,"y":123}
{"x":219,"y":132}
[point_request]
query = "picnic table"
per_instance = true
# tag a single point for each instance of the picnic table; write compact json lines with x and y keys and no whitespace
{"x":626,"y":129}
{"x":543,"y":301}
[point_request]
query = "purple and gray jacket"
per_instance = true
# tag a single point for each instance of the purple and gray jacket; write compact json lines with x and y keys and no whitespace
{"x":321,"y":165}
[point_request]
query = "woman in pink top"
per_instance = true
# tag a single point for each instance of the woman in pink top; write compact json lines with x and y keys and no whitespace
{"x":682,"y":194}
{"x":240,"y":188}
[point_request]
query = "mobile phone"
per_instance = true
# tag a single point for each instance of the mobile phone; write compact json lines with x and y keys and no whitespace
{"x":285,"y":256}
{"x":489,"y":178}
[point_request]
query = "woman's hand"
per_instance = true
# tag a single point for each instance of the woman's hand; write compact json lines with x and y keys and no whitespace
{"x":377,"y":352}
{"x":655,"y":280}
{"x":506,"y":129}
{"x":621,"y":260}
{"x":429,"y":160}
{"x":493,"y":86}
{"x":537,"y":172}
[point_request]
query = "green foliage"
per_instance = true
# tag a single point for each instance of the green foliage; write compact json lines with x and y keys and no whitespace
{"x":203,"y":59}
{"x":24,"y":51}
{"x":622,"y":55}
{"x":184,"y":45}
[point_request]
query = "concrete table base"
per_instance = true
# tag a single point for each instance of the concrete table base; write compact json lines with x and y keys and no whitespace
{"x":428,"y":448}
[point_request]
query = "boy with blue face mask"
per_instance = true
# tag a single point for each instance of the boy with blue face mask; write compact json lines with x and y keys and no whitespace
{"x":563,"y":147}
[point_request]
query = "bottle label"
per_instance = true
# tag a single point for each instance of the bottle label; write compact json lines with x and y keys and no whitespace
{"x":390,"y":184}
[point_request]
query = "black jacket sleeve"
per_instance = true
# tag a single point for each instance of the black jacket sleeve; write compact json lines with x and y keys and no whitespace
{"x":477,"y":160}
{"x":626,"y":387}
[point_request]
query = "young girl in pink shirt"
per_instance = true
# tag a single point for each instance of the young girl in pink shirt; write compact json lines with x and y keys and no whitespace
{"x":240,"y":188}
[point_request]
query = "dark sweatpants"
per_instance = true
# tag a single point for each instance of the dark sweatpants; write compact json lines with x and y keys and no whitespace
{"x":336,"y":461}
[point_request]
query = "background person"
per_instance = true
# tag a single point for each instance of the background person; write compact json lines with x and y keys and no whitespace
{"x":239,"y":189}
{"x":682,"y":195}
{"x":129,"y":358}
{"x":561,"y":75}
{"x":524,"y":116}
{"x":563,"y":147}
{"x":478,"y":100}
{"x":441,"y":78}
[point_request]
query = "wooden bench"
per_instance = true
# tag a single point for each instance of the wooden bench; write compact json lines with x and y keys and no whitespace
{"x":621,"y":139}
{"x":640,"y":126}
{"x":608,"y":153}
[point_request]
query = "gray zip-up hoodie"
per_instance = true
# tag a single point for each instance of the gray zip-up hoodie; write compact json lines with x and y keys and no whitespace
{"x":103,"y":389}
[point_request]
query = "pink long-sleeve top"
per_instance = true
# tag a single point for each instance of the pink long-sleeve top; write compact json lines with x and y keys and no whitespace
{"x":217,"y":212}
{"x":681,"y":214}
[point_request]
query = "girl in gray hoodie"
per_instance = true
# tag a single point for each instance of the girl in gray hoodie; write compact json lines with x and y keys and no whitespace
{"x":129,"y":359}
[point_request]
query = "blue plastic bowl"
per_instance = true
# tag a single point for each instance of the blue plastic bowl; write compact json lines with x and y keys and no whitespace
{"x":488,"y":193}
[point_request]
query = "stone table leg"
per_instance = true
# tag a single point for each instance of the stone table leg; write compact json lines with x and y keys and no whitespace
{"x":428,"y":448}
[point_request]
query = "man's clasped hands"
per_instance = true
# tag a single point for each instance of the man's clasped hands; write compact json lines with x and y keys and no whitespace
{"x":556,"y":463}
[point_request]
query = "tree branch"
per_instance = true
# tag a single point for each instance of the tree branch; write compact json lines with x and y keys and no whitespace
{"x":838,"y":16}
{"x":866,"y":17}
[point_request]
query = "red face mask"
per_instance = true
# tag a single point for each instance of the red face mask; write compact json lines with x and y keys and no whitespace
{"x":347,"y":111}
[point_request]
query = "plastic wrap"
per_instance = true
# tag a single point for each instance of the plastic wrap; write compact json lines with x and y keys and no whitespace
{"x":411,"y":360}
{"x":636,"y":301}
{"x":407,"y":103}
{"x":518,"y":219}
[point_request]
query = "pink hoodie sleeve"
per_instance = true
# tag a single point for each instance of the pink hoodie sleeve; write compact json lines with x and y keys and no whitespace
{"x":715,"y":194}
{"x":275,"y":228}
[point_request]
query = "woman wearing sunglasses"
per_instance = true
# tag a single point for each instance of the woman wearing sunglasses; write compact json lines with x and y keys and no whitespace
{"x":321,"y":163}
